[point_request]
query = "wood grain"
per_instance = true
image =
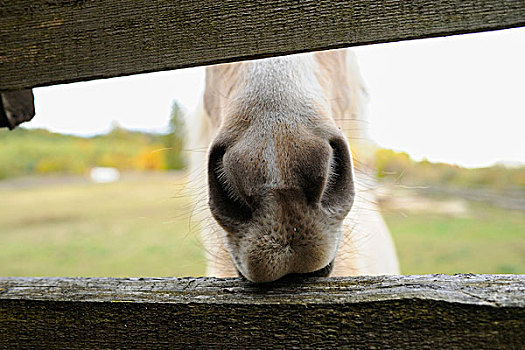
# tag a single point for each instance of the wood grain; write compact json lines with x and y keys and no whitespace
{"x":16,"y":107}
{"x":48,"y":42}
{"x":408,"y":312}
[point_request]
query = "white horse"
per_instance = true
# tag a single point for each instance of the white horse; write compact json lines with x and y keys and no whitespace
{"x":283,"y":195}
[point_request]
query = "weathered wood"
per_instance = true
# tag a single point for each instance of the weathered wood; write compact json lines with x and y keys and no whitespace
{"x":16,"y":107}
{"x":432,"y":311}
{"x":49,"y":42}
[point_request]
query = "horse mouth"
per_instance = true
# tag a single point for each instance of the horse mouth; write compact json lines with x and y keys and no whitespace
{"x":322,"y":272}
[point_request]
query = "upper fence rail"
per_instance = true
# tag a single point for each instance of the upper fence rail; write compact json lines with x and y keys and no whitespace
{"x":46,"y":42}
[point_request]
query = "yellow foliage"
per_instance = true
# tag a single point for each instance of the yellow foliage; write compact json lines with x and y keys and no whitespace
{"x":116,"y":160}
{"x":52,"y":165}
{"x":150,"y":158}
{"x":45,"y":166}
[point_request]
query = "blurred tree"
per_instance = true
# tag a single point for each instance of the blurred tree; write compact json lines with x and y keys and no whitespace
{"x":174,"y":141}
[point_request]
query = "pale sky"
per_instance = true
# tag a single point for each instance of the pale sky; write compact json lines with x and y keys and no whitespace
{"x":458,"y":99}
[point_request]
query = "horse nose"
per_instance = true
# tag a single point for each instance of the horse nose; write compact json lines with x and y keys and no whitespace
{"x":318,"y":175}
{"x":339,"y":192}
{"x":225,"y":202}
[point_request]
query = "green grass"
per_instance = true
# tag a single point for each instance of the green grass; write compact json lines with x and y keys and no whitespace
{"x":140,"y":227}
{"x":136,"y":227}
{"x":489,"y":240}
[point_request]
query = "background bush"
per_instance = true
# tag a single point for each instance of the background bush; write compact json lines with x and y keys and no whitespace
{"x":37,"y":151}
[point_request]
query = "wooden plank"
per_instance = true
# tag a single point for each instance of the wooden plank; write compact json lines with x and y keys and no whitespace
{"x":431,"y":311}
{"x":16,"y":107}
{"x":50,"y":42}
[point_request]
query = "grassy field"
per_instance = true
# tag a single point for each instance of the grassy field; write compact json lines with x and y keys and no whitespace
{"x":140,"y":227}
{"x":487,"y":240}
{"x":136,"y":227}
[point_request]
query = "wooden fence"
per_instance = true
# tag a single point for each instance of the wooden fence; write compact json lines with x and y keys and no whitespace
{"x":398,"y":312}
{"x":56,"y":41}
{"x":47,"y":42}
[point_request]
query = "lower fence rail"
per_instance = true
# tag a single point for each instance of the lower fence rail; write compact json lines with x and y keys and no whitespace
{"x":429,"y":311}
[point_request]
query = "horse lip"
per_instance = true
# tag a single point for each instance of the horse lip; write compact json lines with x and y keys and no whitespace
{"x":322,"y":272}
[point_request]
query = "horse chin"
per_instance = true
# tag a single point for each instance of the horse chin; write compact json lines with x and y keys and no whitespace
{"x":271,"y":265}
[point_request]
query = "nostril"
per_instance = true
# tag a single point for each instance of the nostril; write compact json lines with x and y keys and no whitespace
{"x":339,"y":188}
{"x":225,"y":202}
